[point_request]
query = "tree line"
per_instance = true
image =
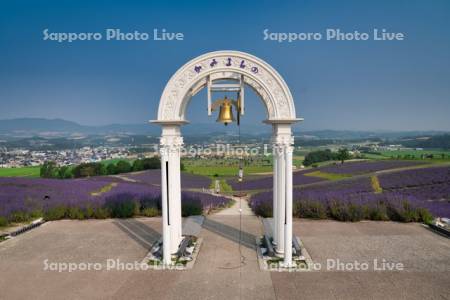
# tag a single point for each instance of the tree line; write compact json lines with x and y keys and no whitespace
{"x":51,"y":170}
{"x":325,"y":155}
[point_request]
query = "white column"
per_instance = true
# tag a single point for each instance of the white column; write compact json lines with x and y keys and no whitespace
{"x":282,"y":141}
{"x":280,"y":200}
{"x":275,"y":194}
{"x":166,"y":232}
{"x":175,"y":198}
{"x":176,"y":182}
{"x":171,"y":143}
{"x":288,"y":219}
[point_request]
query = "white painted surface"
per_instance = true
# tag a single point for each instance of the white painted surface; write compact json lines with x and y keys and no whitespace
{"x":276,"y":97}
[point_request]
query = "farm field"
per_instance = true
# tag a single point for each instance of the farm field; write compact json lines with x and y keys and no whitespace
{"x":20,"y":172}
{"x":402,"y":195}
{"x":365,"y":167}
{"x":404,"y":191}
{"x":226,"y":170}
{"x":416,"y":153}
{"x":412,"y":154}
{"x":266,"y":182}
{"x":227,"y":166}
{"x":22,"y":199}
{"x":153,"y":177}
{"x":328,"y":171}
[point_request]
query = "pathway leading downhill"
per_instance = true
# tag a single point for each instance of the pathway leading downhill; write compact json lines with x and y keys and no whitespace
{"x":240,"y":203}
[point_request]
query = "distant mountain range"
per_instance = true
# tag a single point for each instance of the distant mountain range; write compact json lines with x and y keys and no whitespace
{"x":27,"y":127}
{"x":60,"y":127}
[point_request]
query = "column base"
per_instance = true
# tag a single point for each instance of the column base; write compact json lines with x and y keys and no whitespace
{"x":287,"y":265}
{"x":275,"y":261}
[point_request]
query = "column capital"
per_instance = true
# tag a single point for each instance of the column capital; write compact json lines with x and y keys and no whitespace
{"x":171,"y":141}
{"x":282,"y":140}
{"x":282,"y":143}
{"x":170,"y":144}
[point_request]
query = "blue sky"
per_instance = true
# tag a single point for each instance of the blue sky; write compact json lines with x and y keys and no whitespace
{"x":358,"y":85}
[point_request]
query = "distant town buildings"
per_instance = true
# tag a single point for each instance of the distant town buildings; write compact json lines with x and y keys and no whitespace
{"x":23,"y":158}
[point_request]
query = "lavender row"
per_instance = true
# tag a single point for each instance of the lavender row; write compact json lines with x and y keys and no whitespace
{"x":365,"y":167}
{"x":359,"y":192}
{"x":415,"y":178}
{"x":153,"y":177}
{"x":21,"y":198}
{"x":298,"y":178}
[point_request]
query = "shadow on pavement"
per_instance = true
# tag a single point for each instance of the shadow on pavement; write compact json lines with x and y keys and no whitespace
{"x":248,"y":240}
{"x":143,"y":234}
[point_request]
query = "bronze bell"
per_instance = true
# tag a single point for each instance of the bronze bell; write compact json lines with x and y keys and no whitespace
{"x":226,"y":112}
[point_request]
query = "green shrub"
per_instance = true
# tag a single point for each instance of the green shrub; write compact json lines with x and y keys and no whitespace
{"x":19,"y":217}
{"x":3,"y":222}
{"x":377,"y":213}
{"x":122,"y":206}
{"x":75,"y":213}
{"x":49,"y":170}
{"x":337,"y":211}
{"x":346,"y":212}
{"x":101,"y":213}
{"x":55,"y":213}
{"x":355,"y":212}
{"x":406,"y":213}
{"x":88,"y":212}
{"x":263,"y":209}
{"x":424,"y":215}
{"x":150,"y":212}
{"x":224,"y":186}
{"x":111,"y":169}
{"x":192,"y":207}
{"x":123,"y":166}
{"x":37,"y":213}
{"x":309,"y":209}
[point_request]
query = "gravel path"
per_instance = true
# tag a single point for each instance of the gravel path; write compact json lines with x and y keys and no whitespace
{"x":240,"y":203}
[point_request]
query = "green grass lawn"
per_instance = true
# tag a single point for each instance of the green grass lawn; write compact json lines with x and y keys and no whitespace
{"x":328,"y":176}
{"x":225,"y":170}
{"x":20,"y":172}
{"x":374,"y":156}
{"x":416,"y":153}
{"x":298,"y":160}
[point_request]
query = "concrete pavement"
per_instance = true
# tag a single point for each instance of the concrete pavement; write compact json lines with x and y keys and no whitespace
{"x":218,"y":272}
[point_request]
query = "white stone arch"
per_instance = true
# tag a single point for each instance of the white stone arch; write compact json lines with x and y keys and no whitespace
{"x":277,"y":98}
{"x":257,"y":74}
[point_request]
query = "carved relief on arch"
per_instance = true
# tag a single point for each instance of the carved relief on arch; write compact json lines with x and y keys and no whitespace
{"x":258,"y":74}
{"x":263,"y":94}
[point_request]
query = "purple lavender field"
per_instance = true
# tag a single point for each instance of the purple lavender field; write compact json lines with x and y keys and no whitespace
{"x":364,"y":167}
{"x":97,"y":197}
{"x":429,"y":186}
{"x":266,"y":182}
{"x":188,"y":181}
{"x":406,"y":196}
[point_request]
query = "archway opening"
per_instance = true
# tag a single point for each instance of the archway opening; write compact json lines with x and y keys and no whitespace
{"x":187,"y":82}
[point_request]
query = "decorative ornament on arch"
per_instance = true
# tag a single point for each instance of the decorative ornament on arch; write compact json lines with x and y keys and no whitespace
{"x":257,"y":74}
